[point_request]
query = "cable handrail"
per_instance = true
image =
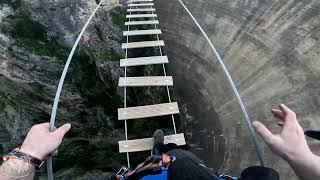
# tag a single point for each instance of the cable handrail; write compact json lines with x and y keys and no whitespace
{"x":59,"y":89}
{"x":125,"y":98}
{"x":165,"y":74}
{"x":233,"y":86}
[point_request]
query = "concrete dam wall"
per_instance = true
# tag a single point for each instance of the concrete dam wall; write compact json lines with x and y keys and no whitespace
{"x":272,"y":49}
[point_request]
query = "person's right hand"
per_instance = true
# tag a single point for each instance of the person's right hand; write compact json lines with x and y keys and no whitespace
{"x":291,"y":143}
{"x":40,"y":142}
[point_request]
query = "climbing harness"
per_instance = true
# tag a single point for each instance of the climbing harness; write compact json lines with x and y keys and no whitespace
{"x":153,"y":167}
{"x":227,"y":177}
{"x":123,"y":170}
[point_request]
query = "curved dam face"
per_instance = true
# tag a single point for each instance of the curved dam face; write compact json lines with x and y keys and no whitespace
{"x":272,"y":50}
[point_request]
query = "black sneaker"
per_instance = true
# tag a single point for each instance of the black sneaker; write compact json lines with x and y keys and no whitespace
{"x":158,"y":137}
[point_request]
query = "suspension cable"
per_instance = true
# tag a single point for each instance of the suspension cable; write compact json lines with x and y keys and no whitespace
{"x":125,"y":98}
{"x":165,"y":74}
{"x":234,"y":89}
{"x":63,"y":76}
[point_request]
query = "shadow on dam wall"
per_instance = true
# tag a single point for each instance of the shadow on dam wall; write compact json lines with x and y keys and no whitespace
{"x":272,"y":51}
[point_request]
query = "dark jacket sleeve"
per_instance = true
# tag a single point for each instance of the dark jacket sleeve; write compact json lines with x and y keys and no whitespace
{"x":188,"y":166}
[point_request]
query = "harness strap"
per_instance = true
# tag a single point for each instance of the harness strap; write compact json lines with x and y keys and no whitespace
{"x":153,"y":165}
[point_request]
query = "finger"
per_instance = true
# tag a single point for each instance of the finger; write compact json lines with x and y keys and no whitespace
{"x":280,"y":124}
{"x":61,"y":131}
{"x":288,"y":113}
{"x":46,"y":125}
{"x":53,"y":129}
{"x":263,"y":132}
{"x":277,"y":114}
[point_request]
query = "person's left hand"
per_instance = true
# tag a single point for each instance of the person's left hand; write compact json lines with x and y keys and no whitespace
{"x":291,"y":143}
{"x":40,"y":142}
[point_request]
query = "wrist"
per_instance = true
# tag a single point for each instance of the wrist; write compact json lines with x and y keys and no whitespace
{"x":17,"y":169}
{"x":298,"y":157}
{"x":21,"y":156}
{"x":32,"y":152}
{"x":19,"y":162}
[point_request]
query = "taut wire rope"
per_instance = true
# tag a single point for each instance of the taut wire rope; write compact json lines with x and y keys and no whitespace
{"x":59,"y":89}
{"x":233,"y":86}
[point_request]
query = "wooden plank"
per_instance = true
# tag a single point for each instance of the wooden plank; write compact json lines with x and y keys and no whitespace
{"x":139,"y":5}
{"x":142,"y":44}
{"x":142,"y":32}
{"x":143,"y":61}
{"x":147,"y":143}
{"x":141,"y":10}
{"x":141,"y":22}
{"x":148,"y":111}
{"x":145,"y":81}
{"x":132,"y":1}
{"x":141,"y":16}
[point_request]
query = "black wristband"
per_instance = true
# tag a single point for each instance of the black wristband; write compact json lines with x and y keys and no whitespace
{"x":26,"y":157}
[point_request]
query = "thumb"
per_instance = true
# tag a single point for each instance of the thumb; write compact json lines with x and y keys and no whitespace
{"x":61,"y":131}
{"x":263,"y":132}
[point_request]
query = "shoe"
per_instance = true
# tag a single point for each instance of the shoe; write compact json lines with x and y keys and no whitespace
{"x":158,"y":137}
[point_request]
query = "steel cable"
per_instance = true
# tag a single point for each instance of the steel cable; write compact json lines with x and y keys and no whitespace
{"x":234,"y":89}
{"x":63,"y":76}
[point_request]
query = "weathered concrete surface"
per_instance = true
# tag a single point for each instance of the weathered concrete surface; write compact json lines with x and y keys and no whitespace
{"x":272,"y":49}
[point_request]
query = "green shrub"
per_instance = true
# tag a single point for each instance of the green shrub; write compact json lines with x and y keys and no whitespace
{"x":27,"y":28}
{"x":41,"y":48}
{"x":111,"y":55}
{"x":32,"y":37}
{"x":118,"y":17}
{"x":12,"y":3}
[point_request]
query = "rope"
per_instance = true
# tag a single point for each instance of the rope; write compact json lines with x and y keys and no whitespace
{"x":125,"y":89}
{"x":234,"y":89}
{"x":165,"y":74}
{"x":125,"y":98}
{"x":58,"y":93}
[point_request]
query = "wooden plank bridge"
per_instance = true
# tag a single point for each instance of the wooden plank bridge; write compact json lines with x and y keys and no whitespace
{"x":143,"y":10}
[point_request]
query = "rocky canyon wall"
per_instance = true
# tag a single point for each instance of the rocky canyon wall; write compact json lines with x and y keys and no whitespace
{"x":35,"y":39}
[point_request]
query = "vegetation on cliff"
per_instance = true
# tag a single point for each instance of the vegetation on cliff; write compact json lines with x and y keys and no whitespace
{"x":90,"y":96}
{"x":12,"y":3}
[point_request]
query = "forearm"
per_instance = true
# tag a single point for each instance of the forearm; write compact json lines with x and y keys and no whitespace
{"x":39,"y":143}
{"x":306,"y":167}
{"x":15,"y":169}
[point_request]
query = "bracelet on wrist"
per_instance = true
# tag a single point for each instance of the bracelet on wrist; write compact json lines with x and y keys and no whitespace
{"x":17,"y":154}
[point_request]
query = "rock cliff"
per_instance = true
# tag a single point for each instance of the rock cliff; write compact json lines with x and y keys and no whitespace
{"x":270,"y":47}
{"x":35,"y":39}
